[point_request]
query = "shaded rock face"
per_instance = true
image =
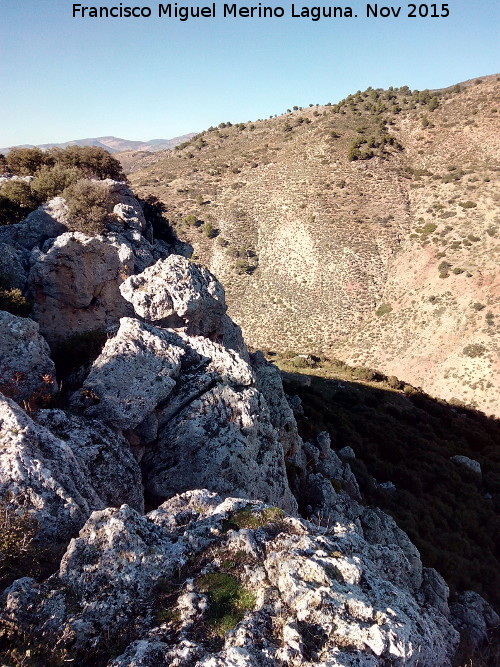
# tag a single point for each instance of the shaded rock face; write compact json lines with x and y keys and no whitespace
{"x":47,"y":222}
{"x":176,"y":287}
{"x":315,"y":598}
{"x":63,"y":468}
{"x":26,"y":369}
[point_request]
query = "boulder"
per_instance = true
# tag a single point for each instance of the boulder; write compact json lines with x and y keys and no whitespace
{"x":133,"y":374}
{"x":177,"y":292}
{"x":227,"y":436}
{"x":60,"y":477}
{"x":473,"y":465}
{"x":473,"y":617}
{"x":47,"y":222}
{"x":27,"y":373}
{"x":75,"y":283}
{"x":13,"y":266}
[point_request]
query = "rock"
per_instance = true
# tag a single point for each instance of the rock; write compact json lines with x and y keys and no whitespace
{"x":133,"y":373}
{"x":268,"y":382}
{"x":27,"y":373}
{"x":47,"y":222}
{"x":381,"y":529}
{"x":473,"y":617}
{"x":60,"y":477}
{"x":473,"y":465}
{"x":75,"y":282}
{"x":103,"y":455}
{"x":176,"y":292}
{"x":232,"y":448}
{"x":310,"y":598}
{"x":435,"y":590}
{"x":347,"y":453}
{"x":13,"y":266}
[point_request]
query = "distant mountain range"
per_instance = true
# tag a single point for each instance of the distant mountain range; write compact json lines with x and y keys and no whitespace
{"x":115,"y":144}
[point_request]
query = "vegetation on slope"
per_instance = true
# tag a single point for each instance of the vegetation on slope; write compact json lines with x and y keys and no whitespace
{"x":402,"y":435}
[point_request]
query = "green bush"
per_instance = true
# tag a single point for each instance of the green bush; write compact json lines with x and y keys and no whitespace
{"x":51,"y":181}
{"x":474,"y":350}
{"x":17,"y":200}
{"x":25,"y":161}
{"x":93,"y":162}
{"x":228,"y":600}
{"x":89,"y":206}
{"x":383,"y":309}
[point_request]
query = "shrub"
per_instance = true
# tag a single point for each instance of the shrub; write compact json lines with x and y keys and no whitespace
{"x":228,"y":600}
{"x":25,"y":161}
{"x":209,"y":230}
{"x":89,"y":206}
{"x":17,"y":200}
{"x":383,"y":309}
{"x":474,"y":350}
{"x":467,"y":204}
{"x":17,"y":532}
{"x":13,"y":301}
{"x":51,"y":181}
{"x":94,"y":162}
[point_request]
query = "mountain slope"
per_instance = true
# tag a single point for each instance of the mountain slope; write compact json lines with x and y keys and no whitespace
{"x":366,"y":230}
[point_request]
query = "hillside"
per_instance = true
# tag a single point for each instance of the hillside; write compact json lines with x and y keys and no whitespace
{"x":367,"y":230}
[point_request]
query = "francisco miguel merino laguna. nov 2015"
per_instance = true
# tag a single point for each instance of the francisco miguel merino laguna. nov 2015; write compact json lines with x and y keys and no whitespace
{"x":184,"y":12}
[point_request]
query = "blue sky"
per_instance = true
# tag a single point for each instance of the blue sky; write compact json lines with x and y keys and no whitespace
{"x":65,"y":78}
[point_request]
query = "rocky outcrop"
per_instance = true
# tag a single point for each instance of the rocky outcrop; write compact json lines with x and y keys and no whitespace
{"x":26,"y":369}
{"x":232,"y":448}
{"x":47,"y":222}
{"x":61,"y":476}
{"x":75,"y":282}
{"x":310,"y":598}
{"x":474,"y":618}
{"x":176,"y":288}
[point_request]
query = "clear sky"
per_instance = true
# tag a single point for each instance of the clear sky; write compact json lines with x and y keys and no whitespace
{"x":64,"y":78}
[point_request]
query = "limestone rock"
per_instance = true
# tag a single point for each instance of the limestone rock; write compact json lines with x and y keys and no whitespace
{"x":13,"y":266}
{"x":133,"y":374}
{"x":61,"y":476}
{"x":47,"y":222}
{"x":103,"y":455}
{"x":472,"y":615}
{"x":232,"y":448}
{"x":318,"y":599}
{"x":26,"y":369}
{"x":75,"y":282}
{"x":177,"y":287}
{"x":268,"y":382}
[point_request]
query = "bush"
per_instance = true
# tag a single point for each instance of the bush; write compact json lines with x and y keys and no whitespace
{"x":383,"y":309}
{"x":25,"y":161}
{"x":51,"y":181}
{"x":17,"y":532}
{"x":474,"y":350}
{"x":89,"y":206}
{"x":17,"y":200}
{"x":94,"y":162}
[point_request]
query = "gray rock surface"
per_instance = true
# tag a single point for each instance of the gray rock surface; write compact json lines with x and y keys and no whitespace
{"x":47,"y":222}
{"x":26,"y":369}
{"x":133,"y":374}
{"x":176,"y":287}
{"x":232,"y":448}
{"x":13,"y":266}
{"x":317,"y":599}
{"x":75,"y":282}
{"x":60,"y":477}
{"x":472,"y":616}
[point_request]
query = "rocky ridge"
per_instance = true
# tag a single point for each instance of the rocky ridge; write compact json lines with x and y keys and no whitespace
{"x":222,"y":570}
